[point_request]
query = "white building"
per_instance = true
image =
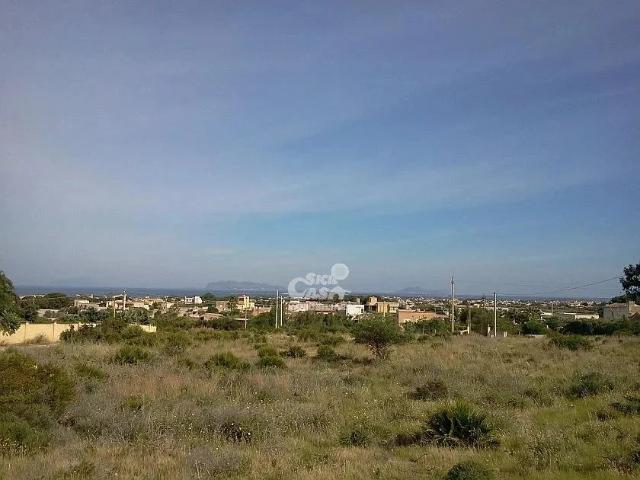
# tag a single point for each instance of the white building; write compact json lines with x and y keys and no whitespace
{"x":353,"y":309}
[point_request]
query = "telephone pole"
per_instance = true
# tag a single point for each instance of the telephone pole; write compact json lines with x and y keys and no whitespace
{"x":453,"y":305}
{"x":495,"y":315}
{"x":277,"y":298}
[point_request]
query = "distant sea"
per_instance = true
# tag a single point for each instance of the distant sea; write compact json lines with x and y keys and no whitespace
{"x":106,"y":291}
{"x":182,"y":292}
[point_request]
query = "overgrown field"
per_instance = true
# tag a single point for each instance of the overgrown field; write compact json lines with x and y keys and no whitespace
{"x":204,"y":404}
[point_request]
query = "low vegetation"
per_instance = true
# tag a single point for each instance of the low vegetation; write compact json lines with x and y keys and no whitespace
{"x":196,"y":402}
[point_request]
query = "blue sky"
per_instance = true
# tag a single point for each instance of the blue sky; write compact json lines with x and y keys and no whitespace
{"x":176,"y":143}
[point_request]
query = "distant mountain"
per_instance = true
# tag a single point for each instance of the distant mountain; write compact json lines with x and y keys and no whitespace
{"x":415,"y":291}
{"x":240,"y":287}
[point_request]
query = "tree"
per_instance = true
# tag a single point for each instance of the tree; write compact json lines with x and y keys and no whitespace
{"x":379,"y":334}
{"x":137,"y":315}
{"x":9,"y":306}
{"x":631,"y":283}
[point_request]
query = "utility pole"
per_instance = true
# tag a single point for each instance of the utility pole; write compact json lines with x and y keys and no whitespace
{"x":469,"y":320}
{"x":453,"y":305}
{"x":277,"y":298}
{"x":281,"y":309}
{"x":495,"y":315}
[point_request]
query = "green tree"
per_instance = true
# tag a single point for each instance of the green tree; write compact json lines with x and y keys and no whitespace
{"x":379,"y":334}
{"x":137,"y":315}
{"x":9,"y":306}
{"x":631,"y":283}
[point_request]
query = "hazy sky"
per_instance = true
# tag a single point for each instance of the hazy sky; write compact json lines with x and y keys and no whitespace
{"x":176,"y":143}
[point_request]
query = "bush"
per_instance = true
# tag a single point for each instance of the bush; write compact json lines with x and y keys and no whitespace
{"x":294,"y":351}
{"x":534,"y":327}
{"x":589,"y":384}
{"x":331,"y":340}
{"x":225,"y":360}
{"x":455,"y":426}
{"x":19,"y":437}
{"x":469,"y":470}
{"x":32,"y":397}
{"x":271,"y":361}
{"x":267,"y":351}
{"x":355,"y":437}
{"x":175,"y":343}
{"x":235,"y":432}
{"x":432,"y":390}
{"x":572,"y":342}
{"x":379,"y":334}
{"x":134,"y":403}
{"x":130,"y":354}
{"x":327,"y":353}
{"x":134,"y":335}
{"x":630,"y":406}
{"x":90,"y":372}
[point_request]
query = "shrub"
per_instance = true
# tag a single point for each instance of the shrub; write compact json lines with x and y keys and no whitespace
{"x":130,"y":354}
{"x":267,"y":351}
{"x":469,"y":470}
{"x":90,"y":372}
{"x":225,"y":360}
{"x":134,"y":335}
{"x":295,"y":351}
{"x":630,"y":406}
{"x":572,"y":342}
{"x":432,"y":390}
{"x":331,"y":340}
{"x":534,"y":327}
{"x":379,"y":334}
{"x":18,"y":436}
{"x":134,"y":403}
{"x":32,"y":396}
{"x":327,"y":353}
{"x":235,"y":432}
{"x":175,"y":343}
{"x":271,"y":361}
{"x":455,"y":426}
{"x":355,"y":437}
{"x":589,"y":384}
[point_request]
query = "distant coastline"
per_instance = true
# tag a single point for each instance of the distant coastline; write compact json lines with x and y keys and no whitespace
{"x":181,"y":292}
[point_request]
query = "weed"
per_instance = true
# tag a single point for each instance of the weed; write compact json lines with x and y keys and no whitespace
{"x":469,"y":470}
{"x":90,"y":372}
{"x":432,"y":390}
{"x":571,"y":342}
{"x":294,"y":351}
{"x":327,"y":353}
{"x":271,"y":361}
{"x":455,"y":426}
{"x":357,"y":436}
{"x":225,"y":360}
{"x":129,"y":354}
{"x":589,"y":384}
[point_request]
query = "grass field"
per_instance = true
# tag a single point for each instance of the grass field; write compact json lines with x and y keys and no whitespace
{"x":178,"y":414}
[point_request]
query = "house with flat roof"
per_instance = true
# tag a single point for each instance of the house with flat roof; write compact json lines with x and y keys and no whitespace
{"x":620,"y":310}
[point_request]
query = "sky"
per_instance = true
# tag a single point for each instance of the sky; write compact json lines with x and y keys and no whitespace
{"x":170,"y":144}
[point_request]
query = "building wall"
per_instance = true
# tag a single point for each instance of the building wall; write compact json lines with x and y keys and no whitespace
{"x":405,"y":316}
{"x":620,"y":310}
{"x":50,"y":331}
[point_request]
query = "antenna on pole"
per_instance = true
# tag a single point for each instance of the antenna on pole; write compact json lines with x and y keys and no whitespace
{"x":453,"y":305}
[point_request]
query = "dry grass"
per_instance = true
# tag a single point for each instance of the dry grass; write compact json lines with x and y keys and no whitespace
{"x":172,"y":418}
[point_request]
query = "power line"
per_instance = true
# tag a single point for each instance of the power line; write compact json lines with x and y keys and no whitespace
{"x":564,"y":289}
